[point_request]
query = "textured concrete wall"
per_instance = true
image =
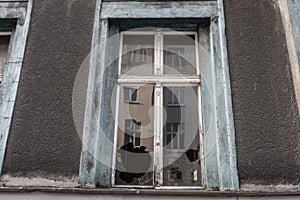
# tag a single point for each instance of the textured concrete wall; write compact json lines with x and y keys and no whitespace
{"x":265,"y":111}
{"x":43,"y":140}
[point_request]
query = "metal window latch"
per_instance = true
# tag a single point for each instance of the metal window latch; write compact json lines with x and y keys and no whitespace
{"x":195,"y":176}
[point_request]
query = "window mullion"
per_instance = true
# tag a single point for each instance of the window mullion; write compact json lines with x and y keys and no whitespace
{"x":158,"y":115}
{"x":158,"y":136}
{"x":158,"y":53}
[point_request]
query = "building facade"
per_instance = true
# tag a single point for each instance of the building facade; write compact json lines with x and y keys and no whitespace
{"x":139,"y":98}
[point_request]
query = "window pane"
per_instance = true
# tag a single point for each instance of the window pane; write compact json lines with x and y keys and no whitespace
{"x":179,"y":54}
{"x":4,"y":42}
{"x":130,"y":95}
{"x":137,"y":55}
{"x":181,"y":154}
{"x":134,"y":164}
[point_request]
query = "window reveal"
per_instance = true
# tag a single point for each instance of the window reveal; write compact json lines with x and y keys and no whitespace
{"x":156,"y":134}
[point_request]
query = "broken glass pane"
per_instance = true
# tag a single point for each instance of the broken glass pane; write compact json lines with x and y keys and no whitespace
{"x":137,"y":55}
{"x":134,"y":165}
{"x":179,"y":54}
{"x":181,"y":154}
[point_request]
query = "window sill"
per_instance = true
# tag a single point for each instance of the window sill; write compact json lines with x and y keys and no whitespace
{"x":143,"y":192}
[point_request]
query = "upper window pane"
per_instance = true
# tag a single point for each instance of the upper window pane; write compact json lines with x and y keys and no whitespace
{"x":137,"y":55}
{"x":179,"y":54}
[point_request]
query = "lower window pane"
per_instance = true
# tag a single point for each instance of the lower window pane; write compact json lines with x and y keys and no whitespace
{"x":134,"y":163}
{"x":181,"y":152}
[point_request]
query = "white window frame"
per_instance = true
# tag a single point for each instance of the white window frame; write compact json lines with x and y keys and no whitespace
{"x":160,"y":80}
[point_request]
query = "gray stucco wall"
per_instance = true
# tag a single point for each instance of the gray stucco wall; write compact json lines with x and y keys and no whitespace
{"x":43,"y":140}
{"x":265,"y":111}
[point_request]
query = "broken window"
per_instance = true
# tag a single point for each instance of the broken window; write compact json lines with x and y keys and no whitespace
{"x":158,"y":119}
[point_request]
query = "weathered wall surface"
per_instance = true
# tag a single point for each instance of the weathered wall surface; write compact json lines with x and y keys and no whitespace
{"x":43,"y":140}
{"x":265,"y":111}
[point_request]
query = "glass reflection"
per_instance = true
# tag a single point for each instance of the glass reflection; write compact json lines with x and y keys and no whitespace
{"x":181,"y":154}
{"x":137,"y":55}
{"x":179,"y":54}
{"x":134,"y":164}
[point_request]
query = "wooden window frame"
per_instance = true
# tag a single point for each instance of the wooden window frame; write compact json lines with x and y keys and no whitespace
{"x":159,"y":79}
{"x":218,"y":125}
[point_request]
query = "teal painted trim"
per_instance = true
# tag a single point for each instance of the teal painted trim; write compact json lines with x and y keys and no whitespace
{"x":225,"y":122}
{"x":88,"y":160}
{"x":211,"y":172}
{"x":108,"y":102}
{"x":294,"y":10}
{"x":218,"y":124}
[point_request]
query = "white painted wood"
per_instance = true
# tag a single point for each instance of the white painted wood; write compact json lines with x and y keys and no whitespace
{"x":201,"y":137}
{"x":120,"y":53}
{"x":113,"y":176}
{"x":179,"y":9}
{"x":158,"y":45}
{"x":175,"y":80}
{"x":12,"y":71}
{"x":158,"y":139}
{"x":203,"y":52}
{"x":5,"y":33}
{"x":179,"y":188}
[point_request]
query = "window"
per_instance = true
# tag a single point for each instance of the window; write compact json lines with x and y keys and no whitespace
{"x":130,"y":95}
{"x":160,"y":69}
{"x":165,"y":69}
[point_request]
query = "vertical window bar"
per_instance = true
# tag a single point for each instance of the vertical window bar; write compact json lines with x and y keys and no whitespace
{"x":158,"y":142}
{"x":158,"y":53}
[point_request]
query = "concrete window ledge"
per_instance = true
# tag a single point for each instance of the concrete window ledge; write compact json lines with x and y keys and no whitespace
{"x":145,"y":192}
